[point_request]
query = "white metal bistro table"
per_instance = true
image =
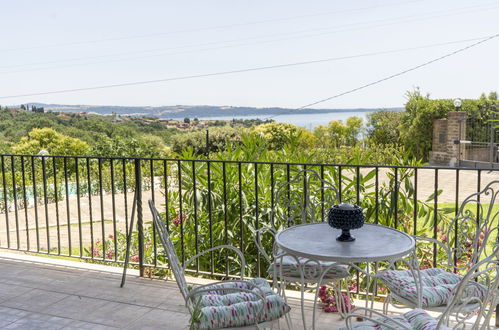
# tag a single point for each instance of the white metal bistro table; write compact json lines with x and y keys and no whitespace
{"x":317,"y":243}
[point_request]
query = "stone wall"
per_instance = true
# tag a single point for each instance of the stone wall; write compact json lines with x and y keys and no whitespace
{"x":446,"y":132}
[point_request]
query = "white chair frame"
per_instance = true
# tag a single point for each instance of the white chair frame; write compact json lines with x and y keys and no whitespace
{"x":299,"y":208}
{"x":190,"y":294}
{"x":458,"y":232}
{"x":485,"y":273}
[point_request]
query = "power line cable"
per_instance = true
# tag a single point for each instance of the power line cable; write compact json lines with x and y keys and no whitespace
{"x":293,"y":35}
{"x":248,"y":70}
{"x":396,"y":74}
{"x":216,"y":27}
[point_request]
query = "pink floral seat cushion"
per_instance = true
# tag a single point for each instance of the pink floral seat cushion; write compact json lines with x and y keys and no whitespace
{"x":311,"y":269}
{"x":225,"y":308}
{"x":437,"y":286}
{"x":416,"y":319}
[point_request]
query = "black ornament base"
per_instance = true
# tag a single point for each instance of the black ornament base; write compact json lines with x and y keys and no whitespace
{"x":345,"y":236}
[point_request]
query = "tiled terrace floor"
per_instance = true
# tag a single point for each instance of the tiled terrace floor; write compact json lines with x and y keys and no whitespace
{"x":43,"y":293}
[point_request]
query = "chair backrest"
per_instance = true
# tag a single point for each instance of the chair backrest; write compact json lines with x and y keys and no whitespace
{"x":470,"y":236}
{"x":304,"y":199}
{"x":478,"y":287}
{"x":175,"y":265}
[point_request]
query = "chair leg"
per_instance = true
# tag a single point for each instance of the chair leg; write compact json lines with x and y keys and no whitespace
{"x":337,"y":299}
{"x":386,"y":303}
{"x":289,"y":323}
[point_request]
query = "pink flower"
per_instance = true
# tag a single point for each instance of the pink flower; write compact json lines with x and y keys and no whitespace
{"x":443,"y":238}
{"x":134,"y":258}
{"x":177,"y":220}
{"x":110,"y":253}
{"x":438,"y":229}
{"x":111,"y":236}
{"x":96,"y":252}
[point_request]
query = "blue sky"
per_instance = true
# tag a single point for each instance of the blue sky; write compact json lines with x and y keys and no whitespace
{"x":55,"y":45}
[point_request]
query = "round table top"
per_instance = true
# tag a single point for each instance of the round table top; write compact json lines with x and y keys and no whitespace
{"x":317,"y":241}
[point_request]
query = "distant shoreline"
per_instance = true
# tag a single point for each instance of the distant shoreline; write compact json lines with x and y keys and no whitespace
{"x":199,"y":111}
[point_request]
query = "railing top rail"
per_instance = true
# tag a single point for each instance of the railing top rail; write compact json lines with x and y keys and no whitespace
{"x":252,"y":162}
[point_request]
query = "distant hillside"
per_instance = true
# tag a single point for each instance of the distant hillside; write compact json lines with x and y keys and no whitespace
{"x":192,"y":111}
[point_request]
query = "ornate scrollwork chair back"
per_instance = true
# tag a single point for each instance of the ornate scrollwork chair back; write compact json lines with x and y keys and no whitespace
{"x":470,"y":237}
{"x":241,"y":304}
{"x":173,"y":260}
{"x":473,"y":232}
{"x":304,"y":199}
{"x":478,"y":287}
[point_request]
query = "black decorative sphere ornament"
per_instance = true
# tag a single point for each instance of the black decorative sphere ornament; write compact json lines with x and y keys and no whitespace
{"x":346,"y":217}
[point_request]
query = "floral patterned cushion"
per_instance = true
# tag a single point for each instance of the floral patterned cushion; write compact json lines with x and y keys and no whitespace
{"x":437,"y":286}
{"x":416,"y":319}
{"x":311,"y":268}
{"x":226,"y":308}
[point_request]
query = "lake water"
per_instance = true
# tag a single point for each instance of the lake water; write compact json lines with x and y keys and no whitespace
{"x":305,"y":120}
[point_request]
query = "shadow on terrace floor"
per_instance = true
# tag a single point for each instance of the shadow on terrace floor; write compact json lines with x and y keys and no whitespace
{"x":45,"y":293}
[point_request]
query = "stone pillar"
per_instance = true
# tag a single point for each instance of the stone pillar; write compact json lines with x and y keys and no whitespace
{"x":446,"y":132}
{"x":456,"y":131}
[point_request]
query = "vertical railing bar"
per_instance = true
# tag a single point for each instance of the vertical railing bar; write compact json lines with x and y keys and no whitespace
{"x":226,"y":225}
{"x":357,"y":184}
{"x":210,"y":219}
{"x":415,"y":202}
{"x":323,"y":215}
{"x":80,"y":234}
{"x":478,"y":188}
{"x":240,"y":193}
{"x":272,"y":197}
{"x":305,"y":196}
{"x":89,"y":189}
{"x":456,"y":210}
{"x":23,"y":171}
{"x":155,"y":248}
{"x":44,"y":178}
{"x":195,"y":200}
{"x":5,"y":200}
{"x":14,"y":192}
{"x":101,"y":199}
{"x":68,"y":215}
{"x":376,"y":192}
{"x":125,"y":193}
{"x":257,"y":224}
{"x":167,"y":212}
{"x":396,"y":198}
{"x":288,"y":179}
{"x":181,"y":214}
{"x":140,"y":220}
{"x":340,"y":197}
{"x":113,"y":201}
{"x":435,"y":218}
{"x":33,"y":179}
{"x":56,"y":194}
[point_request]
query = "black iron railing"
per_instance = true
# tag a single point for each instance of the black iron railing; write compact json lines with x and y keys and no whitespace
{"x":81,"y":206}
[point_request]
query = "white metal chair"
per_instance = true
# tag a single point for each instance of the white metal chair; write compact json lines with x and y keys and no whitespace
{"x":466,"y":242}
{"x":241,"y":304}
{"x":304,"y":199}
{"x":478,"y":287}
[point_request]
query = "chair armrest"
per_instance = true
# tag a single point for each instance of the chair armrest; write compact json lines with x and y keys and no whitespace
{"x":440,"y":244}
{"x":238,"y":252}
{"x":381,"y":320}
{"x":257,"y":238}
